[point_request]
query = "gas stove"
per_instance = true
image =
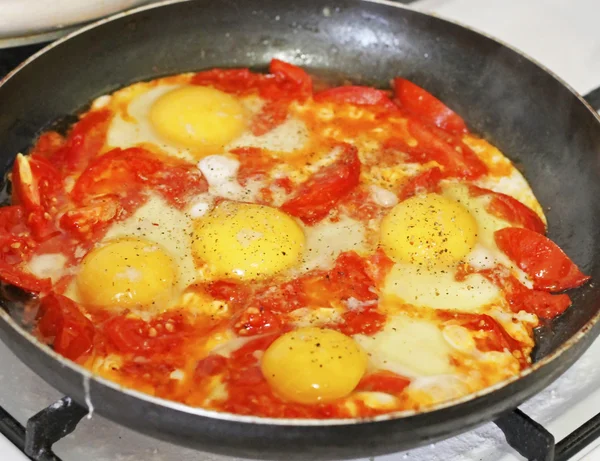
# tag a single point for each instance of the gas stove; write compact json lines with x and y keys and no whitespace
{"x":560,"y":35}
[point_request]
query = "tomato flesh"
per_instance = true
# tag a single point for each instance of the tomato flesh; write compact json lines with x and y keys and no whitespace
{"x":320,"y":193}
{"x":540,"y":258}
{"x":70,"y":332}
{"x":510,"y":209}
{"x":430,"y":109}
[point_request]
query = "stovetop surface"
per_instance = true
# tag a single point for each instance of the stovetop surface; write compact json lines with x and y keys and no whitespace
{"x":561,"y":35}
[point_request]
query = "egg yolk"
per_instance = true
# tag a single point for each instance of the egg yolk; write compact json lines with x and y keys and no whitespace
{"x":428,"y":230}
{"x":247,"y":241}
{"x":198,"y":117}
{"x":313,"y":365}
{"x":127,"y":272}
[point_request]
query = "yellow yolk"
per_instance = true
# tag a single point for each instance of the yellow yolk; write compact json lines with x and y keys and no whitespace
{"x":198,"y":117}
{"x":427,"y":230}
{"x":125,"y":273}
{"x":313,"y":365}
{"x":247,"y":241}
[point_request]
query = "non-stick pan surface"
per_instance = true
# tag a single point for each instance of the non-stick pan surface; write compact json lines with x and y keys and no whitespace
{"x":528,"y":113}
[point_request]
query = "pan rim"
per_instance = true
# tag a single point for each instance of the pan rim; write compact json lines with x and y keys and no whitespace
{"x":88,"y":376}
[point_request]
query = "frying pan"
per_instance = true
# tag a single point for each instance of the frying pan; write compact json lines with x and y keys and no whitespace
{"x":537,"y":120}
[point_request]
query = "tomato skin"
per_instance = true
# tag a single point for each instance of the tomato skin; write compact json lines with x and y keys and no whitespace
{"x":424,"y":182}
{"x":178,"y":183}
{"x":435,"y":144}
{"x":540,"y":303}
{"x":236,"y":81}
{"x":273,"y":114}
{"x":116,"y":172}
{"x":87,"y":220}
{"x":540,"y":258}
{"x":510,"y":209}
{"x":84,"y":142}
{"x":356,"y":95}
{"x":496,"y":339}
{"x":383,"y":381}
{"x":26,"y":281}
{"x":60,"y":320}
{"x":430,"y":109}
{"x":323,"y":190}
{"x":294,"y":76}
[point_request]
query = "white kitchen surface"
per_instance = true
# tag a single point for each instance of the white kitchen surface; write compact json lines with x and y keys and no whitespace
{"x":562,"y":35}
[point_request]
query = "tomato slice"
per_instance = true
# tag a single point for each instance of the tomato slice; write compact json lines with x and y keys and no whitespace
{"x":540,"y":303}
{"x":383,"y":381}
{"x":236,"y":81}
{"x":61,"y":322}
{"x":510,"y":209}
{"x":423,"y":183}
{"x":540,"y":258}
{"x":84,"y":142}
{"x":293,"y":76}
{"x":178,"y":183}
{"x":456,"y":158}
{"x":324,"y":190}
{"x":47,"y":145}
{"x":430,"y":109}
{"x":91,"y":219}
{"x":496,"y":339}
{"x":22,"y":279}
{"x":356,"y":95}
{"x":116,"y":172}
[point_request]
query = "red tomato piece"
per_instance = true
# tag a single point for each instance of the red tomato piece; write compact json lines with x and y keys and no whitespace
{"x":85,"y":140}
{"x":510,"y":209}
{"x":116,"y":172}
{"x":61,"y":321}
{"x":160,"y":335}
{"x":294,"y":76}
{"x":231,"y":292}
{"x":211,"y":365}
{"x":430,"y":109}
{"x":423,"y":183}
{"x":35,"y":182}
{"x":378,"y":267}
{"x":273,"y":114}
{"x":496,"y":339}
{"x":350,"y":279}
{"x":324,"y":190}
{"x":236,"y":81}
{"x":92,"y":218}
{"x":178,"y":183}
{"x":37,"y":185}
{"x":540,"y":258}
{"x":540,"y":303}
{"x":47,"y":145}
{"x":356,"y":95}
{"x":383,"y":381}
{"x":15,"y":276}
{"x":456,"y":158}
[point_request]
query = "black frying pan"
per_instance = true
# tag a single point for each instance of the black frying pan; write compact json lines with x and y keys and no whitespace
{"x":528,"y":113}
